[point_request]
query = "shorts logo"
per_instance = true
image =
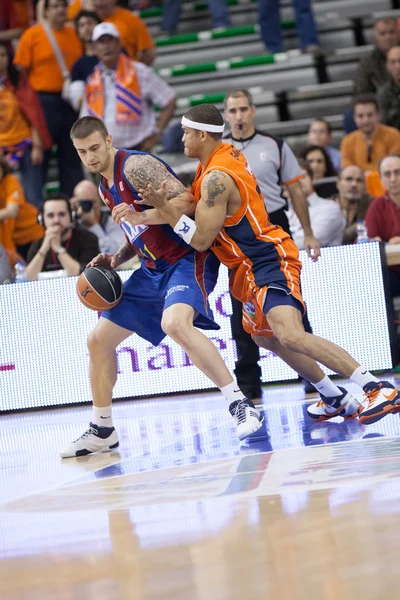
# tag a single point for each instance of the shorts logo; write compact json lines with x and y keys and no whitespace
{"x":176,"y":288}
{"x":250,"y":309}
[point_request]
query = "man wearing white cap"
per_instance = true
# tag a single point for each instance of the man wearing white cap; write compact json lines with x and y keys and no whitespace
{"x":122,"y":92}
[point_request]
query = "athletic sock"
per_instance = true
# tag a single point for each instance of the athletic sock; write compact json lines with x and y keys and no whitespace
{"x":327,"y":388}
{"x":102,"y":416}
{"x":361,"y":377}
{"x":232,"y":392}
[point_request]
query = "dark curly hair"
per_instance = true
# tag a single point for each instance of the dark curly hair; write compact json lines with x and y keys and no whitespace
{"x":13,"y":73}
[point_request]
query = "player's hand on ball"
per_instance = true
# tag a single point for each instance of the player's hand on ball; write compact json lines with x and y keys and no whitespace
{"x":104,"y":260}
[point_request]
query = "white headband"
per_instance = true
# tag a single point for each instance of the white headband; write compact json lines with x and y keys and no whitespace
{"x":202,"y":126}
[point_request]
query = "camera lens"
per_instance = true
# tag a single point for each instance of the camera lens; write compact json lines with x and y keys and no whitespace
{"x":86,"y":205}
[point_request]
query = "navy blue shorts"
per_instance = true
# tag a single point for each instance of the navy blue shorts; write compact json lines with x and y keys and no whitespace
{"x":147,"y":293}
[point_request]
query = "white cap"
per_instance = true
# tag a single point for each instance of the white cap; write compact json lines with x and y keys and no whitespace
{"x":104,"y":29}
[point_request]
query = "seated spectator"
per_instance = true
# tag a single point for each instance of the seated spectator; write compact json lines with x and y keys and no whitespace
{"x":320,"y":134}
{"x":389,"y":93}
{"x":23,"y":131}
{"x":85,"y":22}
{"x":123,"y":93}
{"x":372,"y":141}
{"x":15,"y":17}
{"x":87,"y":205}
{"x":64,"y":246}
{"x":172,"y":12}
{"x":352,"y":199}
{"x":319,"y":161}
{"x":383,"y":215}
{"x":327,"y":222}
{"x":371,"y":72}
{"x":36,"y":55}
{"x":134,"y":35}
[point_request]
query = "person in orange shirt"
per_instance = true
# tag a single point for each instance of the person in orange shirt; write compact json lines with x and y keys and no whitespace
{"x":134,"y":35}
{"x":18,"y":219}
{"x":35,"y":54}
{"x":264,"y":265}
{"x":372,"y":140}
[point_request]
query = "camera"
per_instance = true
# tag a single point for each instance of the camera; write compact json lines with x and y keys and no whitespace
{"x":86,"y":205}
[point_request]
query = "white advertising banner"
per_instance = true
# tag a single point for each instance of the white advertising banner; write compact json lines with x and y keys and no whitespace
{"x":44,"y":326}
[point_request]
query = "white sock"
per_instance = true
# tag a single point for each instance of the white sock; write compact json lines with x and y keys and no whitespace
{"x":102,"y":416}
{"x":232,"y":392}
{"x":327,"y":388}
{"x":361,"y":377}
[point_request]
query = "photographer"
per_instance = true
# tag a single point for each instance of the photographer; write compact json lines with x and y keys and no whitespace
{"x":65,"y":247}
{"x":87,"y":205}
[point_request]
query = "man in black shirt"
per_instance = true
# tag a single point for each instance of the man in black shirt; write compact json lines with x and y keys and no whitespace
{"x":64,"y":247}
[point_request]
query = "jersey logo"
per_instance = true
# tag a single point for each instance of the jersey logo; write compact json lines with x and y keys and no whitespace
{"x":121,"y":186}
{"x":249,"y":309}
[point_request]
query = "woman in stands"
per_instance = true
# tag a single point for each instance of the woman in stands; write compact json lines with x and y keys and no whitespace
{"x":23,"y":130}
{"x":319,"y":161}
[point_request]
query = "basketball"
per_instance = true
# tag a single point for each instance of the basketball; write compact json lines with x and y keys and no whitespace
{"x":99,"y":288}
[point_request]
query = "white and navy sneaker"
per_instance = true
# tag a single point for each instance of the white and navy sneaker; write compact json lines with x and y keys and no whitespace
{"x":247,"y":418}
{"x":381,"y":398}
{"x":345,"y":406}
{"x":95,"y":439}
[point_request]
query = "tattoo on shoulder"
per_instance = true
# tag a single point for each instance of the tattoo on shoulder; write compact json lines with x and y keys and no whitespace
{"x":214,"y":186}
{"x":142,"y":169}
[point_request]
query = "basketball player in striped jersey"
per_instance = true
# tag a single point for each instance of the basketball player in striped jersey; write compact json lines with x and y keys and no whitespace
{"x":265,"y":268}
{"x":168,"y":294}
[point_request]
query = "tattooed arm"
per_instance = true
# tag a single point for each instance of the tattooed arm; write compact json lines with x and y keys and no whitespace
{"x":217,"y":189}
{"x":142,"y":169}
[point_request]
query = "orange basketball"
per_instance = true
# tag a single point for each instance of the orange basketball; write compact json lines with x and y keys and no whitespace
{"x":99,"y":288}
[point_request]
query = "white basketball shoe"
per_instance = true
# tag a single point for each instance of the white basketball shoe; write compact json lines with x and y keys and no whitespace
{"x":95,"y":439}
{"x":247,"y":418}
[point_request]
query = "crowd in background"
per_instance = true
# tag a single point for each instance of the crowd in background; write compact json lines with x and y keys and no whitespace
{"x":61,"y":60}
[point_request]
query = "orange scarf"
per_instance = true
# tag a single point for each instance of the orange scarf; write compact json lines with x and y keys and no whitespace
{"x":128,"y":95}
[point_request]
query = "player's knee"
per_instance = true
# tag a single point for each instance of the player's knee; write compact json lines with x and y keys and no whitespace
{"x":97,"y":342}
{"x":175,"y":327}
{"x":291,"y":340}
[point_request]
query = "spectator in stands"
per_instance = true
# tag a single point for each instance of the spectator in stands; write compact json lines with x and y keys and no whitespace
{"x":389,"y":93}
{"x":319,"y":161}
{"x":134,"y":35}
{"x":35,"y":53}
{"x":123,"y":92}
{"x":64,"y":246}
{"x":352,"y":199}
{"x":326,"y":219}
{"x":15,"y":17}
{"x":320,"y":134}
{"x":18,"y":219}
{"x":87,"y":205}
{"x":23,"y":131}
{"x":383,"y":215}
{"x":270,"y":24}
{"x":85,"y":22}
{"x":76,"y":6}
{"x":371,"y":72}
{"x":172,"y":12}
{"x":372,"y":140}
{"x":273,"y":164}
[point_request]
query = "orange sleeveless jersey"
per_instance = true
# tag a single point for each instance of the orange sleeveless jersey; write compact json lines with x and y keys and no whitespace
{"x":259,"y":254}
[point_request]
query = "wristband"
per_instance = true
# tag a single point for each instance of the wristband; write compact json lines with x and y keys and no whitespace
{"x":185,"y":228}
{"x":61,"y":251}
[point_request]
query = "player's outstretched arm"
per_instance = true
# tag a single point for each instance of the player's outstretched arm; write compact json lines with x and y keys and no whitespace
{"x":143,"y":169}
{"x":211,"y":209}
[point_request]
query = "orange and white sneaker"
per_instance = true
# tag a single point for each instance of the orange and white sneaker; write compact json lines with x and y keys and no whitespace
{"x":345,"y":406}
{"x":381,"y":398}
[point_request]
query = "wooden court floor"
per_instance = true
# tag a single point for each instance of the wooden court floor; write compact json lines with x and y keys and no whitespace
{"x":182,"y":512}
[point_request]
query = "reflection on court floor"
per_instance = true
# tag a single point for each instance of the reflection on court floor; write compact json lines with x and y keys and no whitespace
{"x":181,"y":483}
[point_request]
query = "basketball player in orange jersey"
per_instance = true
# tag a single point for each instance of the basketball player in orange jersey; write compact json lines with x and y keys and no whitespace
{"x":166,"y":295}
{"x":265,"y":268}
